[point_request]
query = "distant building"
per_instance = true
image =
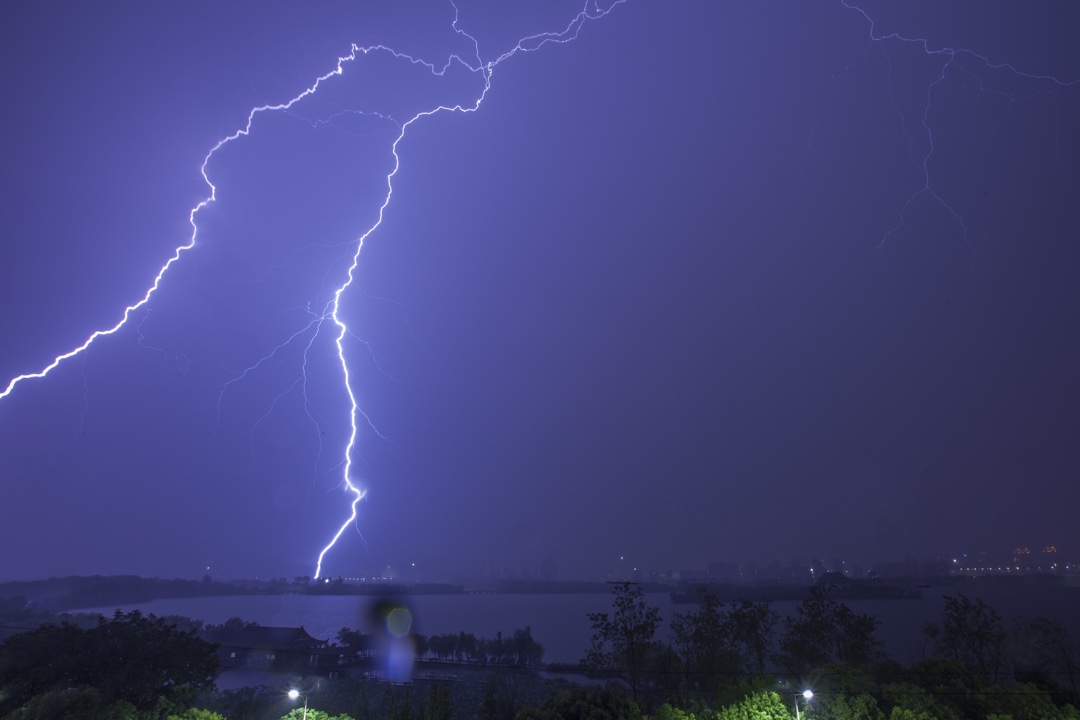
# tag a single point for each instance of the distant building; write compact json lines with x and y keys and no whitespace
{"x":1022,"y":560}
{"x":276,"y":648}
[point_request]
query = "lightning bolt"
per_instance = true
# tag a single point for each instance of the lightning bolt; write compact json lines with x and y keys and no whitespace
{"x":953,"y":61}
{"x":329,"y":317}
{"x":476,"y":65}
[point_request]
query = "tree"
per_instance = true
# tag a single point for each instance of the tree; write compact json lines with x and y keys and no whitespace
{"x":911,"y":702}
{"x":438,"y":705}
{"x":623,"y":644}
{"x":351,"y":641}
{"x":467,"y":646}
{"x":668,"y":712}
{"x":527,"y":651}
{"x":312,"y":714}
{"x":970,"y":633}
{"x":422,"y":643}
{"x":1025,"y":701}
{"x":501,"y":701}
{"x":196,"y":714}
{"x":843,"y":692}
{"x":700,"y":638}
{"x":227,"y":630}
{"x":759,"y":706}
{"x":36,"y":662}
{"x":401,"y":710}
{"x":584,"y":705}
{"x":750,"y":627}
{"x":850,"y":707}
{"x":899,"y":713}
{"x":1047,"y":656}
{"x":721,"y":649}
{"x":824,"y":631}
{"x":443,"y":646}
{"x":957,"y":690}
{"x":134,"y":659}
{"x":73,"y":704}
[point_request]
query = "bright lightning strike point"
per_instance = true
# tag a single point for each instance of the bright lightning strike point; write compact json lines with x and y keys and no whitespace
{"x":486,"y":70}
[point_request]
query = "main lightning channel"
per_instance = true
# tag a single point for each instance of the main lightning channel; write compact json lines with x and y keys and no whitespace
{"x":591,"y":11}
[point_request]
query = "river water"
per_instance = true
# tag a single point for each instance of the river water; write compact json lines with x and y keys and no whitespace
{"x":560,"y":622}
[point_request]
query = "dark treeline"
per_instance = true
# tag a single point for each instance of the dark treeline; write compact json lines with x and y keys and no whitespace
{"x":519,"y":648}
{"x":720,"y":661}
{"x":109,"y":590}
{"x":718,"y":656}
{"x":129,"y":667}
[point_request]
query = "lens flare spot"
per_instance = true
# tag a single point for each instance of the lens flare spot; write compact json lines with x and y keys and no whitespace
{"x":399,"y":622}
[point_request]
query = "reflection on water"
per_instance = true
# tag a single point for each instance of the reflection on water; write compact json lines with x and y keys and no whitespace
{"x":560,"y":623}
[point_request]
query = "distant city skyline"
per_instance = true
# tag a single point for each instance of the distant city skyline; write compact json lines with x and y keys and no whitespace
{"x":805,"y":569}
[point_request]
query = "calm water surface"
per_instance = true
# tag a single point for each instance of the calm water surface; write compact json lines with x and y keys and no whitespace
{"x":560,"y":622}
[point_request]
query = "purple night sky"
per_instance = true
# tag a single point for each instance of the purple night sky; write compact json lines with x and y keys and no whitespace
{"x":678,"y":291}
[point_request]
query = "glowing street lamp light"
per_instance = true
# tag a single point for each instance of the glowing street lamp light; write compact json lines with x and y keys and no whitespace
{"x":294,"y":693}
{"x":807,"y":695}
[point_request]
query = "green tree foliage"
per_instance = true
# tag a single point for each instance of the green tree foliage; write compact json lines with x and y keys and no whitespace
{"x":184,"y":624}
{"x":246,"y":703}
{"x":844,"y":692}
{"x":500,"y":702}
{"x":401,"y":708}
{"x":667,"y":712}
{"x":227,"y":630}
{"x":733,"y":693}
{"x":134,"y":659}
{"x":625,"y":643}
{"x":1025,"y":701}
{"x":312,"y":714}
{"x":899,"y":713}
{"x":956,"y":689}
{"x":584,"y":705}
{"x":824,"y":631}
{"x":77,"y":703}
{"x":972,"y":634}
{"x":945,"y":689}
{"x":842,"y":706}
{"x":438,"y":705}
{"x":911,"y":702}
{"x":196,"y":714}
{"x":758,"y":706}
{"x":838,"y":677}
{"x":35,"y":662}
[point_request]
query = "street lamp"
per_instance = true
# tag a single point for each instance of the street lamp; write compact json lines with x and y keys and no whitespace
{"x":294,"y":693}
{"x":807,"y":694}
